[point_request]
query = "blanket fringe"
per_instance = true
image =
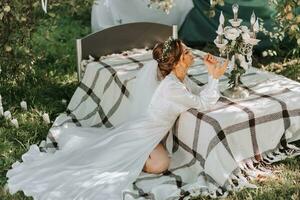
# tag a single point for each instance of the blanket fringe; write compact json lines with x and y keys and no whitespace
{"x":246,"y":171}
{"x":251,"y":168}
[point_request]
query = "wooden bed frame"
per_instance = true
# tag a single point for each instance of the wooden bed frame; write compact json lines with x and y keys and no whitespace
{"x":120,"y":38}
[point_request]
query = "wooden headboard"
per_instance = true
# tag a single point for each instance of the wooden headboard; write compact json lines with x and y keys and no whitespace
{"x":120,"y":38}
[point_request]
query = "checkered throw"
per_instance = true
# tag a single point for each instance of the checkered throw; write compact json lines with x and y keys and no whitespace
{"x":213,"y":151}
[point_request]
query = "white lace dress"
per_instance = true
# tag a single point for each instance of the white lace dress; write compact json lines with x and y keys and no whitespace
{"x":95,"y":165}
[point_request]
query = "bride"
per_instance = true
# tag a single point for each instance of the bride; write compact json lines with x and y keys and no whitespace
{"x":101,"y":165}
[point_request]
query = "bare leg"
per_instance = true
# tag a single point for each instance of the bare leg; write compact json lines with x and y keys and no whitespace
{"x":158,"y":160}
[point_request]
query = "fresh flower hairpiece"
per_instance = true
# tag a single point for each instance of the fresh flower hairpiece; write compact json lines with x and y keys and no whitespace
{"x":166,"y":48}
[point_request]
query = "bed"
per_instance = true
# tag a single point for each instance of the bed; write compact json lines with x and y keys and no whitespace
{"x":120,"y":38}
{"x":212,"y":151}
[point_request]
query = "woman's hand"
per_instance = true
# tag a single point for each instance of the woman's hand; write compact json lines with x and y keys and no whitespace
{"x":214,"y":68}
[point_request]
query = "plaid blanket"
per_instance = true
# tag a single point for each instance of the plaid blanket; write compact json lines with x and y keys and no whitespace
{"x":213,"y":151}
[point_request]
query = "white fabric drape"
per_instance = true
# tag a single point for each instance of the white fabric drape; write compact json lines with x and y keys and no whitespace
{"x":144,"y":87}
{"x":98,"y":166}
{"x":108,"y":13}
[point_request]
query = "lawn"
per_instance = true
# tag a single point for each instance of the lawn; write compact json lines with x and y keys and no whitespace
{"x":52,"y":80}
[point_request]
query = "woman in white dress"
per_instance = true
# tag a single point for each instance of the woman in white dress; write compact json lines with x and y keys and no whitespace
{"x":101,"y":165}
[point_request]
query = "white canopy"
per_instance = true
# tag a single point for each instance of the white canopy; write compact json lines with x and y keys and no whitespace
{"x":108,"y":13}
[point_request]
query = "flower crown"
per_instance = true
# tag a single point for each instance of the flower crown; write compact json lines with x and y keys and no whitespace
{"x":166,"y":48}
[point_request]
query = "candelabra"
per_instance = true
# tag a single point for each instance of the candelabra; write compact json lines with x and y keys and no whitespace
{"x":236,"y":43}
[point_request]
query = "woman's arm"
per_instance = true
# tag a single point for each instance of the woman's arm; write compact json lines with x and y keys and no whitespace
{"x":178,"y":93}
{"x":193,"y":87}
{"x":207,"y":97}
{"x":210,"y":92}
{"x":215,"y":70}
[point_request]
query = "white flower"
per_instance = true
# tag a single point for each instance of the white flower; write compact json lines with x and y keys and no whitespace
{"x":270,"y":52}
{"x":232,"y":33}
{"x":7,"y":114}
{"x":15,"y":123}
{"x":8,"y":48}
{"x":63,"y":101}
{"x":1,"y":111}
{"x":1,"y":15}
{"x":23,"y":105}
{"x":248,"y":40}
{"x":264,"y":54}
{"x":23,"y":19}
{"x":244,"y":29}
{"x":243,"y":62}
{"x":245,"y":36}
{"x":233,"y":43}
{"x":46,"y":118}
{"x":6,"y":8}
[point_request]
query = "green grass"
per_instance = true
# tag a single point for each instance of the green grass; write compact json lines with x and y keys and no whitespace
{"x":44,"y":97}
{"x":55,"y":79}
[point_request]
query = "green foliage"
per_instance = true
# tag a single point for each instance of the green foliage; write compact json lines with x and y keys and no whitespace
{"x":16,"y":25}
{"x":285,"y":35}
{"x":31,"y":39}
{"x":236,"y":73}
{"x":54,"y":45}
{"x":37,"y":64}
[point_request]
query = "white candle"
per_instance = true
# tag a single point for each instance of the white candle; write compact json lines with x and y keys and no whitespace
{"x":23,"y":105}
{"x":221,"y":18}
{"x":256,"y":26}
{"x":220,"y":33}
{"x":1,"y":111}
{"x":235,"y":9}
{"x":252,"y":20}
{"x":7,"y":114}
{"x":175,"y":32}
{"x":220,"y":29}
{"x":46,"y":118}
{"x":15,"y":123}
